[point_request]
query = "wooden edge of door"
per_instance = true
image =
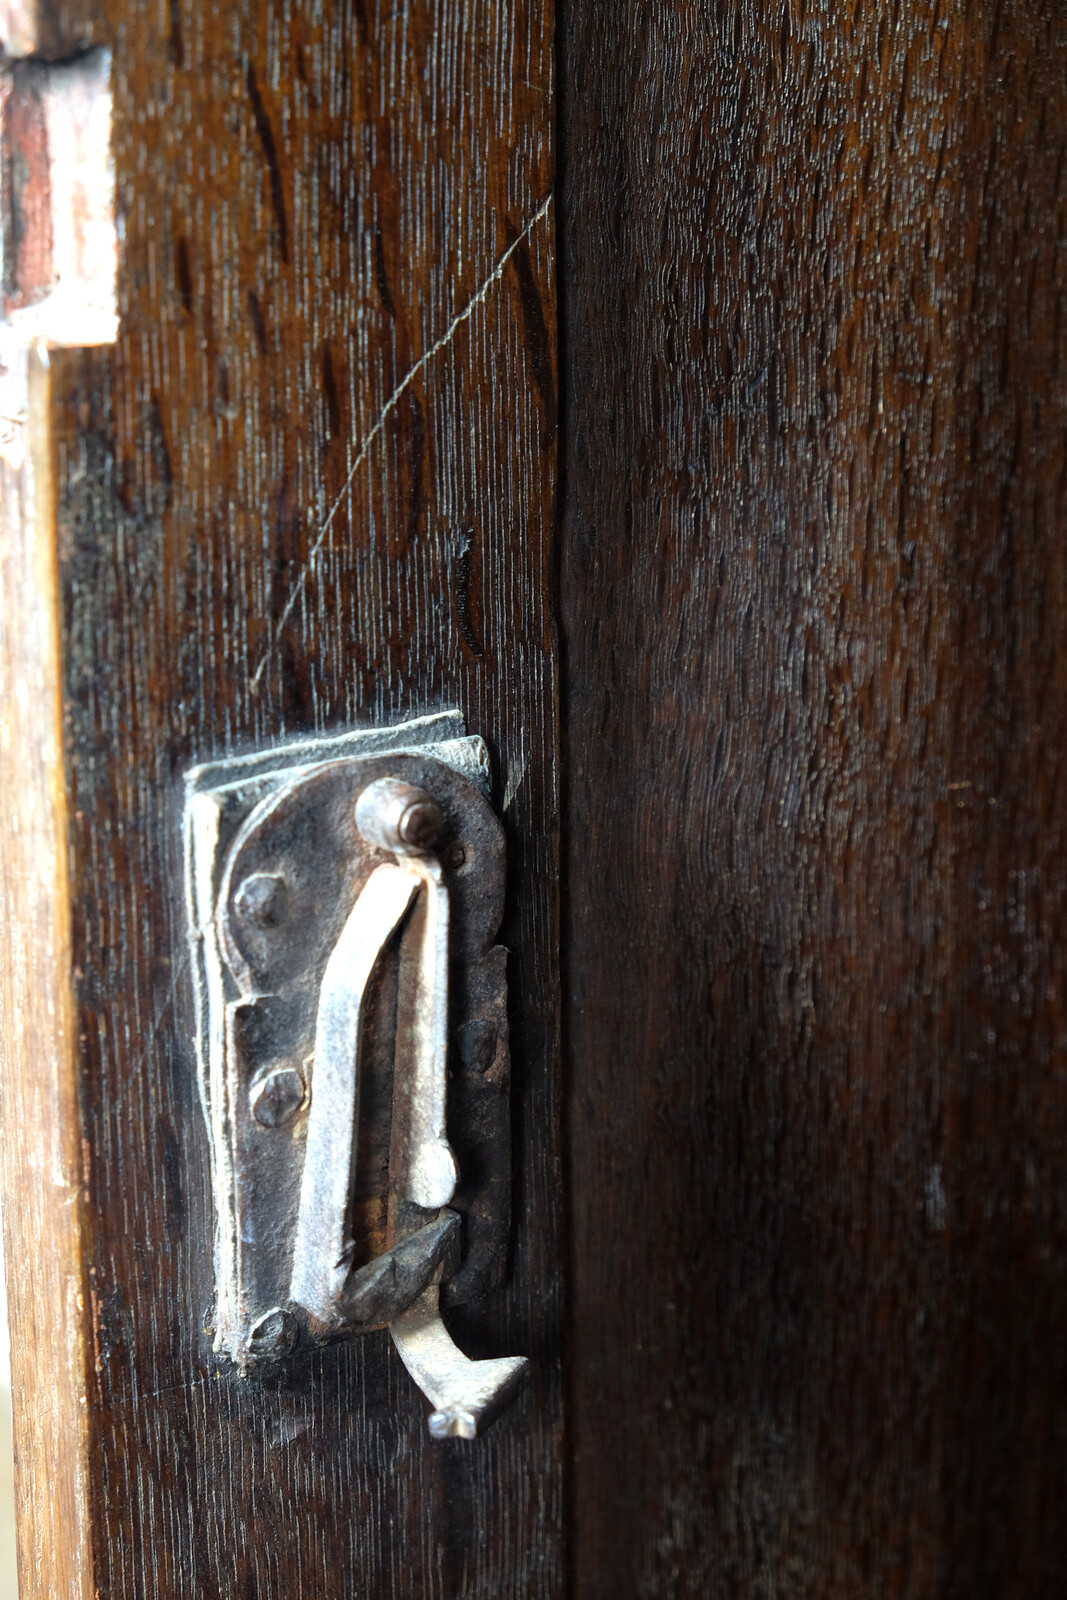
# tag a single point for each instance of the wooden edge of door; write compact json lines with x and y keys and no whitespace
{"x":40,"y":1139}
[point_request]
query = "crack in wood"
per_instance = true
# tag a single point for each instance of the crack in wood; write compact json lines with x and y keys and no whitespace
{"x":386,"y":411}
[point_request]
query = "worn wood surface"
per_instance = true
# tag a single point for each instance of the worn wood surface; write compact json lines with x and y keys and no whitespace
{"x":310,"y":487}
{"x":814,"y":600}
{"x":40,"y":1148}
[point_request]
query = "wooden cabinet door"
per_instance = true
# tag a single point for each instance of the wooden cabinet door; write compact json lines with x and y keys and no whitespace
{"x":771,"y":672}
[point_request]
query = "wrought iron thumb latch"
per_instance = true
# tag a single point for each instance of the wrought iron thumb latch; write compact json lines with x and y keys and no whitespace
{"x":343,"y":900}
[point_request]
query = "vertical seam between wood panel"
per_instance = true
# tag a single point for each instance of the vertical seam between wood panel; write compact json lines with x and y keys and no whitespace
{"x":563,"y":403}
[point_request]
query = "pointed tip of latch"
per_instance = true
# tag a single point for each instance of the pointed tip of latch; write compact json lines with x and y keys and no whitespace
{"x":491,"y":1387}
{"x":466,"y":1395}
{"x":454,"y":1424}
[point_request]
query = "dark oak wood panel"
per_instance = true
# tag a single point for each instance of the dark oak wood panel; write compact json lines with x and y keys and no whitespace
{"x":311,"y":487}
{"x":814,"y":611}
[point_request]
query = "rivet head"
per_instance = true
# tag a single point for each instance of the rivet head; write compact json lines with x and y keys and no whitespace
{"x":420,"y":824}
{"x":263,"y":899}
{"x":456,"y":856}
{"x":394,"y":815}
{"x":273,"y":1334}
{"x":277,"y":1096}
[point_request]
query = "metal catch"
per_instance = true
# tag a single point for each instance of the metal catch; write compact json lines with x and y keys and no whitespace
{"x":335,"y":888}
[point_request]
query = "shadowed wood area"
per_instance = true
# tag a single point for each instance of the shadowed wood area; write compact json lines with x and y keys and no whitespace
{"x":814,"y":611}
{"x":310,"y":487}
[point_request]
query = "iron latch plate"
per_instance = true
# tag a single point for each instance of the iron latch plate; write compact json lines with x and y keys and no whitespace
{"x":275,"y":865}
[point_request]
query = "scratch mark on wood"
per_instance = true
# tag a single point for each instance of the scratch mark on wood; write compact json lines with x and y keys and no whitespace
{"x":476,"y":299}
{"x":157,"y":1020}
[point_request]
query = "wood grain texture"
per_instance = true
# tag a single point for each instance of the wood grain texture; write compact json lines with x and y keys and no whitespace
{"x":311,"y":487}
{"x":815,"y":626}
{"x":40,"y":1148}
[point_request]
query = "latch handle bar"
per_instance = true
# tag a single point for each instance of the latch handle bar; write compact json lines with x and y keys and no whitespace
{"x":401,"y":1285}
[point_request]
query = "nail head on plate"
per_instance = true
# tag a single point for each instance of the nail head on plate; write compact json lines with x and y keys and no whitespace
{"x":397,"y":816}
{"x":274,"y":1333}
{"x":420,"y":824}
{"x":277,"y":1096}
{"x":263,"y":898}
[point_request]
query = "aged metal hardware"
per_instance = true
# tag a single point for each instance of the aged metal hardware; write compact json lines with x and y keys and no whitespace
{"x":343,"y":898}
